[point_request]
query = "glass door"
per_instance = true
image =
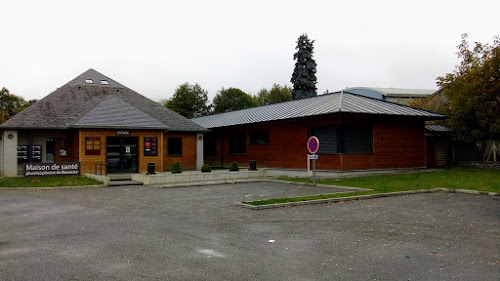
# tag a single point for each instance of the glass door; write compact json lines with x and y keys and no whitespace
{"x":121,"y":155}
{"x":129,"y":150}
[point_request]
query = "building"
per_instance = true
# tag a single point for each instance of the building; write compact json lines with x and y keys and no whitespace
{"x":95,"y":120}
{"x":355,"y":132}
{"x":396,"y":95}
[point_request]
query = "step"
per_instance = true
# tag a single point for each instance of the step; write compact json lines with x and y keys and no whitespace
{"x":120,"y":177}
{"x":124,"y":182}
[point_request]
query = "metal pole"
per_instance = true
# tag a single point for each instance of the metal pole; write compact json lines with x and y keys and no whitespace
{"x":314,"y":171}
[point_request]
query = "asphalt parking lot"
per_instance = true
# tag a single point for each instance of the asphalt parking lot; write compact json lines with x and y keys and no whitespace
{"x":197,"y":233}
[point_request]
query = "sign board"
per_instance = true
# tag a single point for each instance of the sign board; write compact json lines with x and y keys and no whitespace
{"x":312,"y":156}
{"x":313,"y":145}
{"x":122,"y":133}
{"x":51,"y":169}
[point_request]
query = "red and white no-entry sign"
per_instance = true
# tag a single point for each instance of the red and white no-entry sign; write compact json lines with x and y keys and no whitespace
{"x":313,"y":145}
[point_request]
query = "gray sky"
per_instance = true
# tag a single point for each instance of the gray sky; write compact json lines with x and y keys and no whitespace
{"x":154,"y":46}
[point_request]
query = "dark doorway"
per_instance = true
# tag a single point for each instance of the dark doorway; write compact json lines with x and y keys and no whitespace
{"x":121,"y":155}
{"x":50,"y":148}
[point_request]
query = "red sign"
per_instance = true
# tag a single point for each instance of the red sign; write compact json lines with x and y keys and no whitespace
{"x":313,"y":144}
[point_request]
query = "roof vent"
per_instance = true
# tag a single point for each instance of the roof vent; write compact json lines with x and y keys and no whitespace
{"x":89,"y":81}
{"x":104,"y":82}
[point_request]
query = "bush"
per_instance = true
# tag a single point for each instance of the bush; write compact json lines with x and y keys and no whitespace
{"x":206,"y":168}
{"x":234,"y":167}
{"x":176,"y":168}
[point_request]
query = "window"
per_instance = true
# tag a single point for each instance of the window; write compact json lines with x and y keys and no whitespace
{"x":259,"y":138}
{"x":104,"y":82}
{"x":344,"y":139}
{"x":237,"y":143}
{"x":327,"y":139}
{"x":210,"y":144}
{"x":92,"y":145}
{"x":150,"y":146}
{"x":357,"y":140}
{"x":174,"y":147}
{"x":89,"y":81}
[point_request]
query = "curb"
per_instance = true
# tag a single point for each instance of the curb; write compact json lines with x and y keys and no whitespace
{"x":50,"y":187}
{"x":363,"y":197}
{"x":190,"y":184}
{"x":349,"y":188}
{"x":231,"y":181}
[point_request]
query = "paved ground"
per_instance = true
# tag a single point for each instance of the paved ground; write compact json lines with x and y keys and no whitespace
{"x":196,"y":233}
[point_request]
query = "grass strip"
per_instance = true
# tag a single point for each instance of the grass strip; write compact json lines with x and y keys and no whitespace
{"x":454,"y":178}
{"x":50,"y":181}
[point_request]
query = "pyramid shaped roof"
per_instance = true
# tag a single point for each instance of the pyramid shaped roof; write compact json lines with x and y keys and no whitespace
{"x":93,"y":100}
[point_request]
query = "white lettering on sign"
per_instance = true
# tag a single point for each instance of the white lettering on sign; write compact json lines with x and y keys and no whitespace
{"x":123,"y":133}
{"x":52,"y":169}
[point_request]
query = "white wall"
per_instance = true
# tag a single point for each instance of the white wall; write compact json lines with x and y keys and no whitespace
{"x":9,"y":152}
{"x":199,"y":151}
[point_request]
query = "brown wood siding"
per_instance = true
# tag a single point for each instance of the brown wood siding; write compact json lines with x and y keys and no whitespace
{"x":88,"y":162}
{"x":188,"y":158}
{"x":395,"y":145}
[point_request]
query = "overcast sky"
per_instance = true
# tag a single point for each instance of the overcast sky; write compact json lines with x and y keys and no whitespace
{"x":154,"y":46}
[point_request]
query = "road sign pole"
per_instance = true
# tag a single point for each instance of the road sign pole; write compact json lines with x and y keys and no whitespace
{"x":314,"y":171}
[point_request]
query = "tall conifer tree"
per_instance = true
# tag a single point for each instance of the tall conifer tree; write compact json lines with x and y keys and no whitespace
{"x":304,"y":74}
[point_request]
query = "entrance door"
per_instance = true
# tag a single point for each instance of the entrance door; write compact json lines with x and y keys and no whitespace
{"x":121,"y":155}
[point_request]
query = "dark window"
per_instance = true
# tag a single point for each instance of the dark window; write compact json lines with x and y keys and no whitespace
{"x":344,"y":139}
{"x":237,"y":144}
{"x":210,"y":144}
{"x":357,"y":140}
{"x":174,"y":146}
{"x":92,"y":145}
{"x":259,"y":138}
{"x":327,"y":139}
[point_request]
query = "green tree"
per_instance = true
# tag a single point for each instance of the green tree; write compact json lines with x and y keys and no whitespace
{"x":472,"y":92}
{"x":232,"y":99}
{"x":262,"y":97}
{"x":277,"y":94}
{"x":189,"y":101}
{"x":5,"y":103}
{"x":11,"y":104}
{"x":304,"y":73}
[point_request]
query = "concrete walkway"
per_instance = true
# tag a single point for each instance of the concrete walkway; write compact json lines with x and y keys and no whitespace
{"x":190,"y":178}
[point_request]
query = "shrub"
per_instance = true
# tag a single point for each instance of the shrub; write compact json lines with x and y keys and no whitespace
{"x":234,"y":167}
{"x":206,"y":168}
{"x":176,"y":168}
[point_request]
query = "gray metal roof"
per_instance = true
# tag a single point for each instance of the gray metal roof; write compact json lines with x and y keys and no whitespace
{"x":396,"y":92}
{"x":437,"y":128}
{"x":325,"y":104}
{"x":72,"y":105}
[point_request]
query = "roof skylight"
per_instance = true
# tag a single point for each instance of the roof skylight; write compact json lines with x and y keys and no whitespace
{"x":104,"y":82}
{"x":89,"y":81}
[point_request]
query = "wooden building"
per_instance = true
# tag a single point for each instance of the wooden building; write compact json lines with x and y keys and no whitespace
{"x":355,"y":132}
{"x":98,"y":122}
